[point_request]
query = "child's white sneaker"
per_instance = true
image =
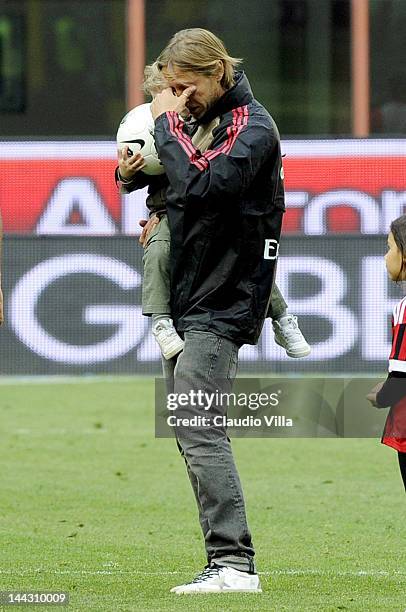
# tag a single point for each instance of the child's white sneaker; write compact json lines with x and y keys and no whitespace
{"x":289,"y":336}
{"x":217,"y":579}
{"x":167,"y":337}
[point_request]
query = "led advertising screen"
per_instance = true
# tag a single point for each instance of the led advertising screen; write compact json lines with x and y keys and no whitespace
{"x":72,"y":265}
{"x":74,"y":306}
{"x":332,"y":186}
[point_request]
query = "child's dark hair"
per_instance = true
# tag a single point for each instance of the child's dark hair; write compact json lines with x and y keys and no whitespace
{"x":398,"y":229}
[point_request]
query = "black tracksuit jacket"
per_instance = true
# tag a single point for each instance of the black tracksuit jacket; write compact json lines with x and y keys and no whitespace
{"x":225,"y":211}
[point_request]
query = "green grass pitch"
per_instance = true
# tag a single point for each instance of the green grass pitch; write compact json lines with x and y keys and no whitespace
{"x":93,"y":504}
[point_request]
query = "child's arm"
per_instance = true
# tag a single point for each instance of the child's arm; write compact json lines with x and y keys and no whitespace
{"x":389,"y":392}
{"x":128,"y":172}
{"x":392,"y":390}
{"x":138,"y":181}
{"x":371,"y":396}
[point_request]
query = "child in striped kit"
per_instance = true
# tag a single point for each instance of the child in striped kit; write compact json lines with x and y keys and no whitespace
{"x":393,"y":391}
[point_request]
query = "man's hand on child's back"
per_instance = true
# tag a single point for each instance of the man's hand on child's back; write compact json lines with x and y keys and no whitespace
{"x":129,"y":164}
{"x":147,"y":227}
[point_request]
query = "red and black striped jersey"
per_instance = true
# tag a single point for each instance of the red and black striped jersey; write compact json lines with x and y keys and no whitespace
{"x":397,"y":358}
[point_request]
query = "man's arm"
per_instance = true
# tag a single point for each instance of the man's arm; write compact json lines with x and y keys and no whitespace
{"x":240,"y":148}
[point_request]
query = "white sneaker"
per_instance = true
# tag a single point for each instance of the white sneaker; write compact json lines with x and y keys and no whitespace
{"x":167,"y":337}
{"x":289,"y":336}
{"x":217,"y":579}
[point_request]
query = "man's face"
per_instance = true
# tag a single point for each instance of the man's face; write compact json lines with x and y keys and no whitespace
{"x":208,"y":89}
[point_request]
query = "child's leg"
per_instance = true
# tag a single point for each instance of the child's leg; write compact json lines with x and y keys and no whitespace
{"x":285,"y":326}
{"x":156,"y":281}
{"x":156,"y":290}
{"x":277,"y":306}
{"x":402,"y":465}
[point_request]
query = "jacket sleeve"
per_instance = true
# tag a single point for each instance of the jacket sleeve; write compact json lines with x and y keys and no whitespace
{"x":393,"y":390}
{"x":239,"y":150}
{"x":138,"y":181}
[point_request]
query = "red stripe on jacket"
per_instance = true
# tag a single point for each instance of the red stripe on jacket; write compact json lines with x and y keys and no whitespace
{"x":176,"y":128}
{"x":240,"y":120}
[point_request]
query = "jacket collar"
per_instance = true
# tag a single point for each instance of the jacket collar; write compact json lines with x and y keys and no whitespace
{"x":239,"y":94}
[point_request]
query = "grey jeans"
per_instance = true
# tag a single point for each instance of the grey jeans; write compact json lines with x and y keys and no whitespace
{"x":207,"y":362}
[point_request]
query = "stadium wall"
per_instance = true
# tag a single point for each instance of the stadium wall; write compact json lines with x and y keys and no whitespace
{"x":73,"y":306}
{"x":72,"y":262}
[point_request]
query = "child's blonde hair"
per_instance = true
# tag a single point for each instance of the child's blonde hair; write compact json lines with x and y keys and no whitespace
{"x":154,"y":80}
{"x":198,"y":50}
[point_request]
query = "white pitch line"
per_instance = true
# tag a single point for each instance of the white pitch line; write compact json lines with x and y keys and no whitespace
{"x":58,"y":432}
{"x":361,"y":573}
{"x":60,"y":380}
{"x":282,"y":572}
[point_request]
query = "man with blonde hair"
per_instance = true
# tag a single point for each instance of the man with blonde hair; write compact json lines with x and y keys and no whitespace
{"x":156,"y":239}
{"x":225,"y":203}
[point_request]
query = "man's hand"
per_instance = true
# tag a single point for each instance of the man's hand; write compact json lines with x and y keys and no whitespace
{"x":1,"y":308}
{"x":168,"y":101}
{"x":129,"y":164}
{"x":371,"y":397}
{"x":147,"y":226}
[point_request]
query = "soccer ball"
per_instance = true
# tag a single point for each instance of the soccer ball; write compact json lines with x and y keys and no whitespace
{"x":137,"y":131}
